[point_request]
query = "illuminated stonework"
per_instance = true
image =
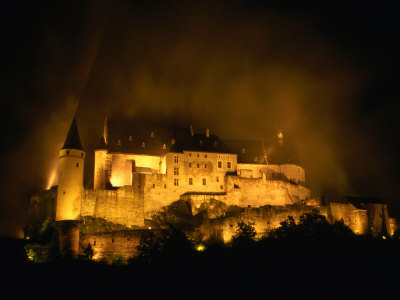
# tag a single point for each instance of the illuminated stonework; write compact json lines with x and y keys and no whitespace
{"x":135,"y":178}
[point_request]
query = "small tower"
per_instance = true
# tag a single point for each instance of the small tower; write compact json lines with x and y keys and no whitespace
{"x":70,"y":192}
{"x":100,"y":161}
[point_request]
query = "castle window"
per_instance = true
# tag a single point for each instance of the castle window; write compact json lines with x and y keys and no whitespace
{"x":190,"y":165}
{"x":154,"y":185}
{"x":190,"y":181}
{"x":221,"y":187}
{"x":219,"y":164}
{"x":198,"y":155}
{"x":112,"y":241}
{"x":176,"y":159}
{"x":205,"y":166}
{"x":219,"y":156}
{"x":190,"y":154}
{"x":176,"y":171}
{"x":228,"y":164}
{"x":198,"y":165}
{"x":205,"y":155}
{"x":176,"y":182}
{"x":204,"y":181}
{"x":229,"y":156}
{"x":217,"y":179}
{"x":165,"y":186}
{"x":77,"y":165}
{"x":82,"y":154}
{"x":67,"y":152}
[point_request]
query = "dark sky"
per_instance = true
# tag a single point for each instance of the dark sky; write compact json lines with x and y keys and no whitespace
{"x":326,"y":74}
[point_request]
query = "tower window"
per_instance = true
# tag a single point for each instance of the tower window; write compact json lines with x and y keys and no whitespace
{"x":190,"y":165}
{"x":204,"y":181}
{"x":219,"y":164}
{"x":176,"y":159}
{"x":228,"y":164}
{"x":67,"y":152}
{"x":176,"y":171}
{"x":205,"y":155}
{"x":190,"y":154}
{"x":217,"y":179}
{"x":165,"y":186}
{"x":190,"y":181}
{"x":205,"y":166}
{"x":222,"y":187}
{"x":198,"y":165}
{"x":176,"y":182}
{"x":77,"y":165}
{"x":154,"y":185}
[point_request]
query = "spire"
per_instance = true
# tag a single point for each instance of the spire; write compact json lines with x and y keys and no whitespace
{"x":105,"y":130}
{"x":73,"y":141}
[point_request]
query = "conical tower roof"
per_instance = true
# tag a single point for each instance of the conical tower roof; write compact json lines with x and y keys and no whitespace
{"x":73,"y":141}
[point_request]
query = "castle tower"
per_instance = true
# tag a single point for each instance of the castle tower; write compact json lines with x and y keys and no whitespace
{"x":70,"y":192}
{"x":100,"y":157}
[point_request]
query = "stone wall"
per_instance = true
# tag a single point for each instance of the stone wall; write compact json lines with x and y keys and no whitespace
{"x":123,"y":206}
{"x":264,"y":218}
{"x":114,"y":243}
{"x":259,"y":191}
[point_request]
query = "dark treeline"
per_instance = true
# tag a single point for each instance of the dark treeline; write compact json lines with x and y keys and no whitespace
{"x":310,"y":258}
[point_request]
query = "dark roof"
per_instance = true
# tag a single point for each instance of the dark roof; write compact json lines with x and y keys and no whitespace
{"x":358,"y":201}
{"x":252,"y":152}
{"x":200,"y":143}
{"x":73,"y":141}
{"x":157,"y":140}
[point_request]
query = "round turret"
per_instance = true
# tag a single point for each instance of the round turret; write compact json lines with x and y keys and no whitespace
{"x":70,"y":193}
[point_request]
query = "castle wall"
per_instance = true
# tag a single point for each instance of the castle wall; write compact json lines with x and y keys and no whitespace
{"x":124,"y":164}
{"x":259,"y":192}
{"x":293,"y":173}
{"x":105,"y":245}
{"x":264,"y":218}
{"x":251,"y":170}
{"x":100,"y":157}
{"x":123,"y":206}
{"x":355,"y":219}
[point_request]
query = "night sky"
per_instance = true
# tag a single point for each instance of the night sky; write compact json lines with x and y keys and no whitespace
{"x":325,"y":74}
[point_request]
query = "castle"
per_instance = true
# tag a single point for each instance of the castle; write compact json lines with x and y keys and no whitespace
{"x":139,"y":174}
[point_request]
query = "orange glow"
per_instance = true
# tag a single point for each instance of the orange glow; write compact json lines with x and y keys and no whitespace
{"x":52,"y":178}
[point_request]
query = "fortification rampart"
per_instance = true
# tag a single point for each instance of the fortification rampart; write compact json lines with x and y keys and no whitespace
{"x":123,"y":206}
{"x":264,"y":218}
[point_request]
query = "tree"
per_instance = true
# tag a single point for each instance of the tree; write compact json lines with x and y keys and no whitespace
{"x":170,"y":245}
{"x":311,"y":225}
{"x":245,"y":235}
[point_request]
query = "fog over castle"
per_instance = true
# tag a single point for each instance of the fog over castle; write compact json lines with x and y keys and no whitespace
{"x":242,"y":71}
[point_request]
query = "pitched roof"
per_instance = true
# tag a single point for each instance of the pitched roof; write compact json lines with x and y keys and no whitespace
{"x":73,"y":141}
{"x":252,"y":152}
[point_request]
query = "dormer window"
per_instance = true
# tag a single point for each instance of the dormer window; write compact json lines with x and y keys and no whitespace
{"x":164,"y":146}
{"x":215,"y":144}
{"x":243,"y":150}
{"x":118,"y":142}
{"x":152,"y":134}
{"x":130,"y":139}
{"x":142,"y":145}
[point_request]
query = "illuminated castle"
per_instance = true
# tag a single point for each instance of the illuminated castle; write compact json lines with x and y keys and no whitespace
{"x":140,"y":173}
